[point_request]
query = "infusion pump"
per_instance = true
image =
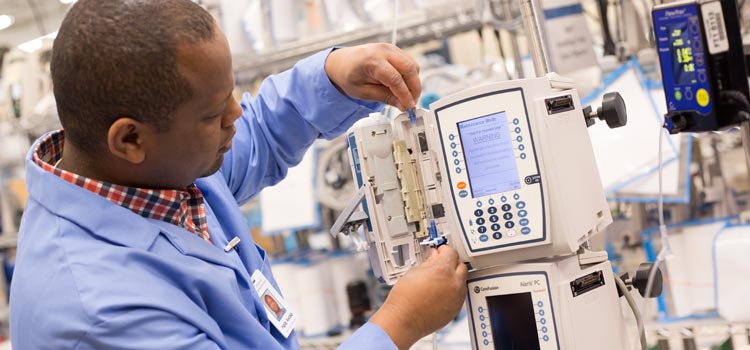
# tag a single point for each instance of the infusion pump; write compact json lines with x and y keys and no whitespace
{"x":506,"y":171}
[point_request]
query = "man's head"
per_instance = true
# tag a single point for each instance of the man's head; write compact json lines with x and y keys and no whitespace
{"x":272,"y":304}
{"x":145,"y":87}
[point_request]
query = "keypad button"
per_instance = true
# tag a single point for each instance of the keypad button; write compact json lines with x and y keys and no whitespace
{"x":492,"y":210}
{"x":510,"y":233}
{"x":482,"y":229}
{"x":484,"y":238}
{"x":522,"y":213}
{"x":524,"y":222}
{"x":509,"y":224}
{"x":521,"y":205}
{"x":480,"y":221}
{"x":507,"y":216}
{"x":525,"y":231}
{"x":506,"y":207}
{"x":497,"y":235}
{"x":495,"y":227}
{"x":478,"y":212}
{"x":516,"y":196}
{"x":494,"y":218}
{"x":463,"y":194}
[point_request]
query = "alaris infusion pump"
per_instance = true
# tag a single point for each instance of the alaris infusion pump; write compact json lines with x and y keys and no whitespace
{"x":506,"y":173}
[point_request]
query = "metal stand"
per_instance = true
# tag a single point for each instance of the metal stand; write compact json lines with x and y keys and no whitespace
{"x":533,"y":25}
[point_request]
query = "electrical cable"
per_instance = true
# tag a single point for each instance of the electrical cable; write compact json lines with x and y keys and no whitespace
{"x":631,"y":302}
{"x":666,"y":249}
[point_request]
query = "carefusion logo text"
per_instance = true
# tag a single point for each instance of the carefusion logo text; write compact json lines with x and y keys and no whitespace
{"x":478,"y":289}
{"x":675,"y":12}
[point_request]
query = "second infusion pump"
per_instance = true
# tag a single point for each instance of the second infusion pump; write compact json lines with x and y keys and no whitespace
{"x":519,"y":173}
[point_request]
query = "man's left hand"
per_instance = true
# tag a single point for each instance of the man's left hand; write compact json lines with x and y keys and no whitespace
{"x":376,"y":72}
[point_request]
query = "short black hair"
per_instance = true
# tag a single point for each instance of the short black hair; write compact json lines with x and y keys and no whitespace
{"x":118,"y":58}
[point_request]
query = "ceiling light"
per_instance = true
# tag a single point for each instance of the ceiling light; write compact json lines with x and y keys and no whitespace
{"x":6,"y":21}
{"x":36,"y":44}
{"x":68,"y":1}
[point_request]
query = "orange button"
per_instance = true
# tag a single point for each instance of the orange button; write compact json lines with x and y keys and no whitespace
{"x":461,"y":185}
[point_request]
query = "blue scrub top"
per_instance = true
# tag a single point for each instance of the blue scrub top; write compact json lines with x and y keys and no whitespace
{"x":93,"y":275}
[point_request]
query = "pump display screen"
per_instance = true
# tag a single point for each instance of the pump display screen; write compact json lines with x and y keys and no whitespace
{"x":513,"y":322}
{"x":683,"y":65}
{"x":489,"y":154}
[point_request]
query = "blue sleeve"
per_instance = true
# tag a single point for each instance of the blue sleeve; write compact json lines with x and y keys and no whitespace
{"x":369,"y":337}
{"x":145,"y":329}
{"x":292,"y":109}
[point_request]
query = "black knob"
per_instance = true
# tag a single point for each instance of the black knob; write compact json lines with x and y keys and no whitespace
{"x":613,"y":110}
{"x":641,"y":280}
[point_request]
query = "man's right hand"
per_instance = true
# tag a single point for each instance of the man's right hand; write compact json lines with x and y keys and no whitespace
{"x":425,"y":299}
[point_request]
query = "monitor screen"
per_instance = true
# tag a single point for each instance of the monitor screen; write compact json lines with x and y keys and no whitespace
{"x":489,"y":154}
{"x":513,"y":322}
{"x":683,"y":65}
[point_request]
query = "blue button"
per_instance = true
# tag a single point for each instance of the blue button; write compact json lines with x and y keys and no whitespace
{"x":453,"y":145}
{"x":483,"y":238}
{"x":546,"y":338}
{"x":541,"y":312}
{"x":451,"y":137}
{"x":521,"y":205}
{"x":507,"y":216}
{"x":495,"y":227}
{"x":480,"y":309}
{"x":463,"y":194}
{"x":506,"y":207}
{"x":522,"y":213}
{"x":544,"y":329}
{"x":491,"y":201}
{"x":484,"y":326}
{"x":458,"y":170}
{"x":540,"y":303}
{"x":516,"y":196}
{"x":492,"y":210}
{"x":519,"y":138}
{"x":494,"y":218}
{"x":481,"y":229}
{"x":525,"y":231}
{"x":523,"y":156}
{"x":521,"y":147}
{"x":480,"y":221}
{"x":479,"y":204}
{"x":456,"y":162}
{"x":481,"y":318}
{"x":497,"y":235}
{"x":543,"y":321}
{"x":516,"y":121}
{"x":455,"y":153}
{"x":524,"y":222}
{"x":503,"y":199}
{"x":484,"y":334}
{"x":478,"y":212}
{"x":517,"y":130}
{"x":486,"y":342}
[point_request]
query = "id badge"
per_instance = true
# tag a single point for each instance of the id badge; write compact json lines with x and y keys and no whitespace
{"x":276,"y":307}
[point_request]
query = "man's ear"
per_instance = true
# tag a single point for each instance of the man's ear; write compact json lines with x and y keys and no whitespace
{"x":126,"y":139}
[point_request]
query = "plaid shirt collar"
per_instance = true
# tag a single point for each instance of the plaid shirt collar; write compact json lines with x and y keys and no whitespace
{"x":184,"y":208}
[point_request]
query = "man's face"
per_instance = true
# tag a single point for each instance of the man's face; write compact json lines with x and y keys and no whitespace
{"x":272,"y":303}
{"x":201,"y":130}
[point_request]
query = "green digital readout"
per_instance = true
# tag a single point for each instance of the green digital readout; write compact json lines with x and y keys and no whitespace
{"x":683,"y":64}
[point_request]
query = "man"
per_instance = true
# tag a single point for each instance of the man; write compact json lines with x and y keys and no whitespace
{"x":122,"y":241}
